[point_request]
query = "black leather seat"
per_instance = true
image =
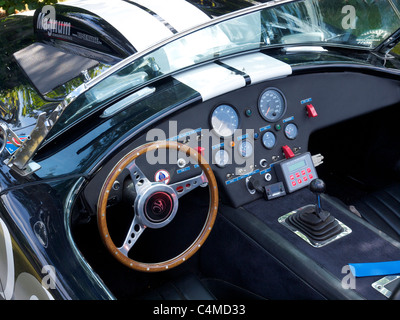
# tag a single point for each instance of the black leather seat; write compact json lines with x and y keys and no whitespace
{"x":190,"y":287}
{"x":184,"y":288}
{"x":382,"y":210}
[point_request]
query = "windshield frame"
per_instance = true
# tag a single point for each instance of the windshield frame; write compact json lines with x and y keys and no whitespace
{"x":388,"y":42}
{"x":85,"y":87}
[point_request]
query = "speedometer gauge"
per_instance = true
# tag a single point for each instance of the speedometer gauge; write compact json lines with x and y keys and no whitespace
{"x":272,"y":105}
{"x":224,"y":120}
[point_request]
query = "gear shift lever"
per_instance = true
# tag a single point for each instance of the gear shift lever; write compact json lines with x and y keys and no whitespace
{"x":317,"y":224}
{"x":317,"y":186}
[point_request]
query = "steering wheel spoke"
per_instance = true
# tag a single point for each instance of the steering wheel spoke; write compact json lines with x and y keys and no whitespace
{"x":183,"y":187}
{"x":139,"y":179}
{"x":135,"y":230}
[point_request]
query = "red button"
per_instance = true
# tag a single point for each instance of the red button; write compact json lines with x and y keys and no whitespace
{"x":303,"y":172}
{"x":311,"y":176}
{"x":293,"y":183}
{"x":288,"y":152}
{"x":297,"y":175}
{"x":305,"y":179}
{"x":308,"y":170}
{"x":200,"y":150}
{"x":299,"y":181}
{"x":291,"y":177}
{"x":311,"y":112}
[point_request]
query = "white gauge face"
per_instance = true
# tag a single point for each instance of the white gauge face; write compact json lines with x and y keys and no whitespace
{"x":269,"y":140}
{"x":224,"y":120}
{"x":246,"y":148}
{"x":291,"y":131}
{"x":221,"y":158}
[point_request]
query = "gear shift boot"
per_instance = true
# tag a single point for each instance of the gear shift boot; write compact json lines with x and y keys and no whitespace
{"x":307,"y":221}
{"x":316,"y":224}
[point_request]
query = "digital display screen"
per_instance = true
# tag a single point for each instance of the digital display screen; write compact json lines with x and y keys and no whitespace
{"x":297,"y":165}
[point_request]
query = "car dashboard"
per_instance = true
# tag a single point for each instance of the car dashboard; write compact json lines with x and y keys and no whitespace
{"x":257,"y":141}
{"x":255,"y":146}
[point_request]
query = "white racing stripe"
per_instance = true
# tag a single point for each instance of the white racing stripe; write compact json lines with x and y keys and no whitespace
{"x":259,"y":67}
{"x":139,"y":27}
{"x":180,"y":14}
{"x":211,"y":80}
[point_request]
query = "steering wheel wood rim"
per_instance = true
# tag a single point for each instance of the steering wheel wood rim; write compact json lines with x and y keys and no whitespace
{"x":204,"y":233}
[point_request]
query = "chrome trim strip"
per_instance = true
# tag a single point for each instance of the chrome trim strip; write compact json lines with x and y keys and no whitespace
{"x":127,"y":101}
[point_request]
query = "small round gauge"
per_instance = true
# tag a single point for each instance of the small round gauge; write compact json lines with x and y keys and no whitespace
{"x":272,"y":105}
{"x":245,"y":148}
{"x":221,"y":158}
{"x":291,"y":131}
{"x":269,"y":140}
{"x":224,"y":120}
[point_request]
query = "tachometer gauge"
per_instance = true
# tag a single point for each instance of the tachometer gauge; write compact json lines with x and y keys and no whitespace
{"x":272,"y":105}
{"x":245,"y":148}
{"x":224,"y":120}
{"x":221,"y":158}
{"x":269,"y":140}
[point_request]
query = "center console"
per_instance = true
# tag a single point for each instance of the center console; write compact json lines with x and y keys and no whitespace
{"x":356,"y":242}
{"x":306,"y":236}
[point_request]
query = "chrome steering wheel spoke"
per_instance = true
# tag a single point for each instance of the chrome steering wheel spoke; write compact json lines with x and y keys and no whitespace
{"x":139,"y":179}
{"x":135,"y":230}
{"x":183,"y":187}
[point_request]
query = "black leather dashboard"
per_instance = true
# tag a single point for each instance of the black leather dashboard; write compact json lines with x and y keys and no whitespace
{"x":335,"y":96}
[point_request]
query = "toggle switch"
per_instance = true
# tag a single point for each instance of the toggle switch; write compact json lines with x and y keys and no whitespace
{"x":311,"y":112}
{"x":288,"y":152}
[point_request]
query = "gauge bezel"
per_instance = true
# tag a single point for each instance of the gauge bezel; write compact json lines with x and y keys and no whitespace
{"x":229,"y":158}
{"x":262,"y":140}
{"x":297,"y":133}
{"x":239,"y":148}
{"x":284,"y":107}
{"x":212,"y":112}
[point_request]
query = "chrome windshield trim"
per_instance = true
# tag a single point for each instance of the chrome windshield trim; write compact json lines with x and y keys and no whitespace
{"x":129,"y":100}
{"x":182,"y":34}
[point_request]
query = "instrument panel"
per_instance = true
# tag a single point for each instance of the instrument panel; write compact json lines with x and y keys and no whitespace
{"x":246,"y":134}
{"x":252,"y":130}
{"x":243,"y":135}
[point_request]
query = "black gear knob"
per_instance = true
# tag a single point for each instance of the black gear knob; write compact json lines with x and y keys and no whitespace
{"x":318,"y":186}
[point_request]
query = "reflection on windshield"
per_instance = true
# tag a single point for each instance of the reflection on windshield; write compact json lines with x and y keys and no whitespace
{"x":356,"y":23}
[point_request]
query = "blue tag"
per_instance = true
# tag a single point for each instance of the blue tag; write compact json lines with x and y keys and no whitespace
{"x":375,"y":268}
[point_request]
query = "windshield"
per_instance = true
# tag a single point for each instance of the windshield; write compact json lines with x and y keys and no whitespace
{"x":352,"y":23}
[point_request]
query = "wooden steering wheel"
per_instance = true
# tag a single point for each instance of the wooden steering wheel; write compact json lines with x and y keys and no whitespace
{"x":155,"y":205}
